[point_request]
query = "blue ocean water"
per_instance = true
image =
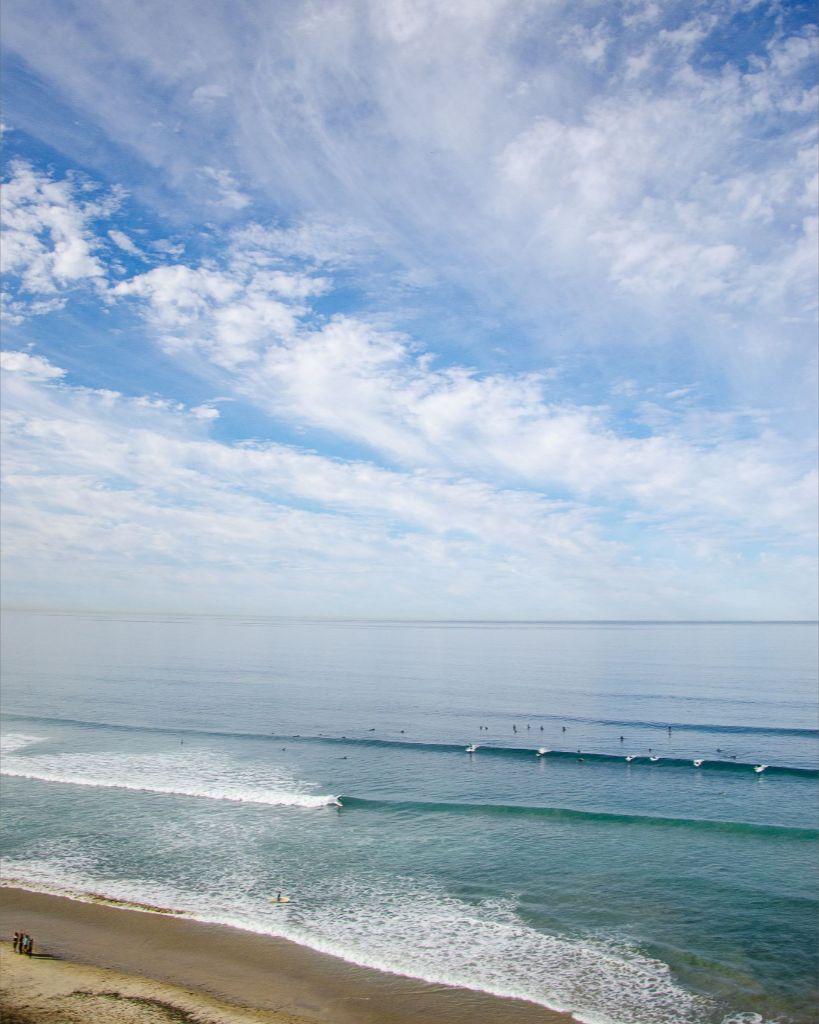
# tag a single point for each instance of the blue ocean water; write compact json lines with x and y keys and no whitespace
{"x":203,"y":764}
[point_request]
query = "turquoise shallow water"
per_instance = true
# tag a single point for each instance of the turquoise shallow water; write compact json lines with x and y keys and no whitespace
{"x":199,"y":763}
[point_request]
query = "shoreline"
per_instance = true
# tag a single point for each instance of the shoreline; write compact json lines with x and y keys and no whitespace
{"x":215,"y":973}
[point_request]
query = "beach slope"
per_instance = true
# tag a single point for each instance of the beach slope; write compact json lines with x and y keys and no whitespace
{"x":97,"y":962}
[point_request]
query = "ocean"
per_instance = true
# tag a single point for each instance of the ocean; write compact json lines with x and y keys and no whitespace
{"x":204,"y":764}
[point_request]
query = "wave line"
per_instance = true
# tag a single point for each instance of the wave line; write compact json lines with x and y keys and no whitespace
{"x":572,"y":814}
{"x":437,"y":747}
{"x":281,"y":799}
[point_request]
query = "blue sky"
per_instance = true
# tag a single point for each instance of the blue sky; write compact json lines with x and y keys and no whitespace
{"x":411,"y":308}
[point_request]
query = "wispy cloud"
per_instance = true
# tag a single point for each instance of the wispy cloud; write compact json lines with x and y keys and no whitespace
{"x":120,"y":239}
{"x":518,"y":142}
{"x":492,"y":306}
{"x":388,"y":395}
{"x":113,"y":482}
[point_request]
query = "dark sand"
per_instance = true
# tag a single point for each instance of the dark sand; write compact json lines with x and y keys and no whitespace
{"x":212,"y":970}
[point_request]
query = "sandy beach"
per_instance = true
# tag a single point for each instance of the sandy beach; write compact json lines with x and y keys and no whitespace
{"x":97,"y":962}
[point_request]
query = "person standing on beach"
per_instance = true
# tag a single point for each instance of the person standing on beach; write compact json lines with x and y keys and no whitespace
{"x":16,"y":943}
{"x":29,"y":945}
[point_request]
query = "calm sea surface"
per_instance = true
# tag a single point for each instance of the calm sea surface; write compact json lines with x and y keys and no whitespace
{"x":199,"y":763}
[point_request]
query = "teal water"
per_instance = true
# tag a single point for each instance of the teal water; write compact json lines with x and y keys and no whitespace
{"x":204,"y":763}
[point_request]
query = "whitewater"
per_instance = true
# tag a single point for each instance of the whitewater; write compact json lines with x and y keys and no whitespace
{"x":197,"y":767}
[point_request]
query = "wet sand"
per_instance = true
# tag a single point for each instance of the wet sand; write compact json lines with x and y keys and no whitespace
{"x":96,"y":962}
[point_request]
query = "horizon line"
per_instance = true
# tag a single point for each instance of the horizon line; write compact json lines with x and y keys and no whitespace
{"x":397,"y":619}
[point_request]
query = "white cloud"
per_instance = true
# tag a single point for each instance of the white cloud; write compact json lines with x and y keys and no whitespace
{"x":509,"y":146}
{"x":48,"y":244}
{"x":130,"y":498}
{"x":125,"y":243}
{"x":228,"y":314}
{"x":33,"y":367}
{"x":601,"y":183}
{"x":229,"y":194}
{"x":205,"y":412}
{"x":168,"y":247}
{"x":376,"y":389}
{"x":205,"y":95}
{"x":661,"y":189}
{"x":325,"y":241}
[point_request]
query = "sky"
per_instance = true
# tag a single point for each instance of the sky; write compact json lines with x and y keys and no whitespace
{"x":411,"y":308}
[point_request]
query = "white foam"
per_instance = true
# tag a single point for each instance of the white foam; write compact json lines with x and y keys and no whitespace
{"x":12,"y":741}
{"x":71,"y":881}
{"x":426,"y":934}
{"x":415,"y":929}
{"x":189,"y":774}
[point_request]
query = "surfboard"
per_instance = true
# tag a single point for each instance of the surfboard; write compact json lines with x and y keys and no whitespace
{"x":281,"y":899}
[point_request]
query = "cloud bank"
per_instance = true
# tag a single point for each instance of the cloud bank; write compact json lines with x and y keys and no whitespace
{"x":413,"y":309}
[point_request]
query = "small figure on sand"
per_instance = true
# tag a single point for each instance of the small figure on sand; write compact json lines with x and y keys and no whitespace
{"x":16,"y":943}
